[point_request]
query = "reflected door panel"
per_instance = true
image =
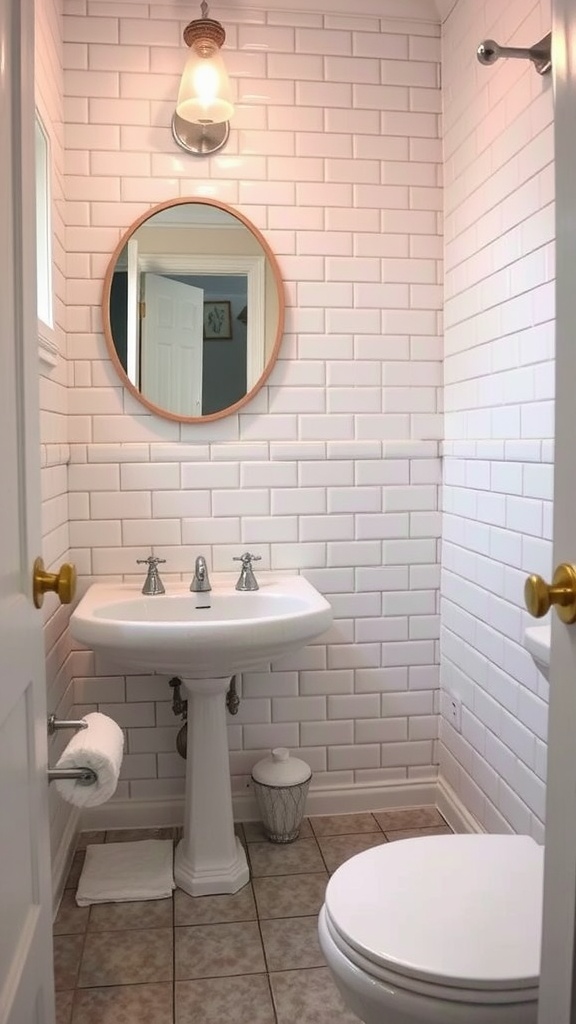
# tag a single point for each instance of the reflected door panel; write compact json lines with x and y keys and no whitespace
{"x":171,"y":340}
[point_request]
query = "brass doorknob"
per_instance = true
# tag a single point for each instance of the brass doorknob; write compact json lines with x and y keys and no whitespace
{"x":539,"y":596}
{"x":62,"y":583}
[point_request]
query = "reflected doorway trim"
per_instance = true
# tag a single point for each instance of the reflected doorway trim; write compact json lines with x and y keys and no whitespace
{"x":251,"y":267}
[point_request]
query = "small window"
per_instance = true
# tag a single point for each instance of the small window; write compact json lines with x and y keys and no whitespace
{"x":43,"y":225}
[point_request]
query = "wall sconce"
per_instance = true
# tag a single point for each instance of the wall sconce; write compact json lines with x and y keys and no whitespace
{"x":200,"y":123}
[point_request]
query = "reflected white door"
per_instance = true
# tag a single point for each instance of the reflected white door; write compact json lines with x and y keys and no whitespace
{"x":26,"y":984}
{"x":558,"y":976}
{"x":172,"y":340}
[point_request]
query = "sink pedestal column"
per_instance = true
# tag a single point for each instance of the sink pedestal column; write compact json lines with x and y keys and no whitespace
{"x":209,"y":858}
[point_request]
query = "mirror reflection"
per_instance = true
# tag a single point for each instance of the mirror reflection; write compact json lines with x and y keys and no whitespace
{"x":193,"y":309}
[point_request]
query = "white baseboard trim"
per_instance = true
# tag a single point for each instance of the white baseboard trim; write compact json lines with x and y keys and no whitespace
{"x":133,"y":814}
{"x":451,"y":807}
{"x":337,"y":800}
{"x":63,"y":858}
{"x":350,"y":799}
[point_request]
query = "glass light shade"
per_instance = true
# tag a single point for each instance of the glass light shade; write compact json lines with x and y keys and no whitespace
{"x":204,"y":96}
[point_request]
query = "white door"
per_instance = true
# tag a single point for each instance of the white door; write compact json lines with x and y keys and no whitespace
{"x":26,"y":984}
{"x":172,"y":341}
{"x":558,"y":975}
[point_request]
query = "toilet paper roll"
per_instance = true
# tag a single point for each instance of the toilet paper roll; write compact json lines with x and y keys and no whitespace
{"x":99,"y":747}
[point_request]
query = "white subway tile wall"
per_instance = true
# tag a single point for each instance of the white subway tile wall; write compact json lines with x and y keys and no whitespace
{"x":499,"y":339}
{"x":334,"y":469}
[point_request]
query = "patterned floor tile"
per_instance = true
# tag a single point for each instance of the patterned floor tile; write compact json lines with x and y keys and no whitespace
{"x":291,"y":943}
{"x":113,"y":917}
{"x":337,"y":849}
{"x":64,"y":1006}
{"x":254,"y":831}
{"x":125,"y":1004}
{"x":67,"y":956}
{"x":409,"y":818}
{"x":239,"y":1000}
{"x":126,"y":958}
{"x":300,"y":857}
{"x":89,"y":838}
{"x":71,"y":919}
{"x":239,"y":906}
{"x":133,"y":835}
{"x":290,"y":895}
{"x":218,"y":950}
{"x":344,"y":824}
{"x":309,"y":997}
{"x":414,"y":833}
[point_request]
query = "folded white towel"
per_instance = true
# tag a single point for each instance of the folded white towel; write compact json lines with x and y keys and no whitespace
{"x":99,"y":747}
{"x":119,"y":872}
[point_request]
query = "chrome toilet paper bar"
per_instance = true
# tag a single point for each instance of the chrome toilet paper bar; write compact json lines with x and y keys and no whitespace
{"x":85,"y":776}
{"x":57,"y":723}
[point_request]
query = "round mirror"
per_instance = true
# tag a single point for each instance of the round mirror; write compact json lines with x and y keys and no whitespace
{"x":193,"y":310}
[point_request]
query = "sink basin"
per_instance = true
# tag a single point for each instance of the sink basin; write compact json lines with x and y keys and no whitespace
{"x":537,"y":643}
{"x":204,"y":635}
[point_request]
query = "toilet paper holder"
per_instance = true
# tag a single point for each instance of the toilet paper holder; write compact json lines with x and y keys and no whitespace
{"x":85,"y":776}
{"x":58,"y":723}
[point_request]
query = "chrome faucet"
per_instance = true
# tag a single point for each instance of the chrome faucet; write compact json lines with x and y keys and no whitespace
{"x":247,"y":579}
{"x":200,"y":579}
{"x":152,"y":584}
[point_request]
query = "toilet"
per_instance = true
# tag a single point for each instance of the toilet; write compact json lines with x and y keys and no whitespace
{"x":437,"y":930}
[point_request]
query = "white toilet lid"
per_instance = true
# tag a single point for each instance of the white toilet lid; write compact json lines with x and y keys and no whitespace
{"x":457,"y":910}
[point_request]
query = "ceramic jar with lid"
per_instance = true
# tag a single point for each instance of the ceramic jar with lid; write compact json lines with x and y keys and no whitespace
{"x":281,"y":785}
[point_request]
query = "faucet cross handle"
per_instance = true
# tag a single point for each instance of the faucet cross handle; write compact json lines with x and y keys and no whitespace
{"x":153,"y":584}
{"x":247,"y":579}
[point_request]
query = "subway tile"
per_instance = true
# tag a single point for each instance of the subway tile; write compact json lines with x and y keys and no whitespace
{"x":326,"y":528}
{"x":141,"y":532}
{"x":347,"y":244}
{"x":298,"y":709}
{"x":356,"y":755}
{"x":178,"y":504}
{"x":261,"y":737}
{"x":120,"y":505}
{"x":380,"y":731}
{"x":211,"y":531}
{"x":352,"y":706}
{"x":240,"y":503}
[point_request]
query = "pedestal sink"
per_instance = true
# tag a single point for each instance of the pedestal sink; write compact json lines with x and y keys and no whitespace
{"x":204,"y":638}
{"x":537,"y":643}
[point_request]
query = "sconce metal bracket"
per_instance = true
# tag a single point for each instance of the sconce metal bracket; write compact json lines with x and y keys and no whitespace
{"x":199,"y":139}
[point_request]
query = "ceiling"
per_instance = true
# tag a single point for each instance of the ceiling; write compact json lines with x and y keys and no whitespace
{"x":444,"y":7}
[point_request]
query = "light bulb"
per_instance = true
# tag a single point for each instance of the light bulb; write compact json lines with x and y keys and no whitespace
{"x":204,"y":96}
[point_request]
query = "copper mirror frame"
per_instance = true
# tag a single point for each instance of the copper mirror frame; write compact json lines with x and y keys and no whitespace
{"x":271,"y":267}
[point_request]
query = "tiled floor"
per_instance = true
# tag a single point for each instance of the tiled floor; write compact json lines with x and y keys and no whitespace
{"x":250,"y":958}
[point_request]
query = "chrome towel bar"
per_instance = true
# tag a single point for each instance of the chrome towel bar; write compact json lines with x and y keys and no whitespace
{"x":540,"y":54}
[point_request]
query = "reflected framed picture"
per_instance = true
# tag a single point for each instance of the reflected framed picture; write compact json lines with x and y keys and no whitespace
{"x":217,"y":321}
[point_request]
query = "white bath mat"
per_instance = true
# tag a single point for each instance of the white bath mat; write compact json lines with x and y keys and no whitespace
{"x":119,"y":872}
